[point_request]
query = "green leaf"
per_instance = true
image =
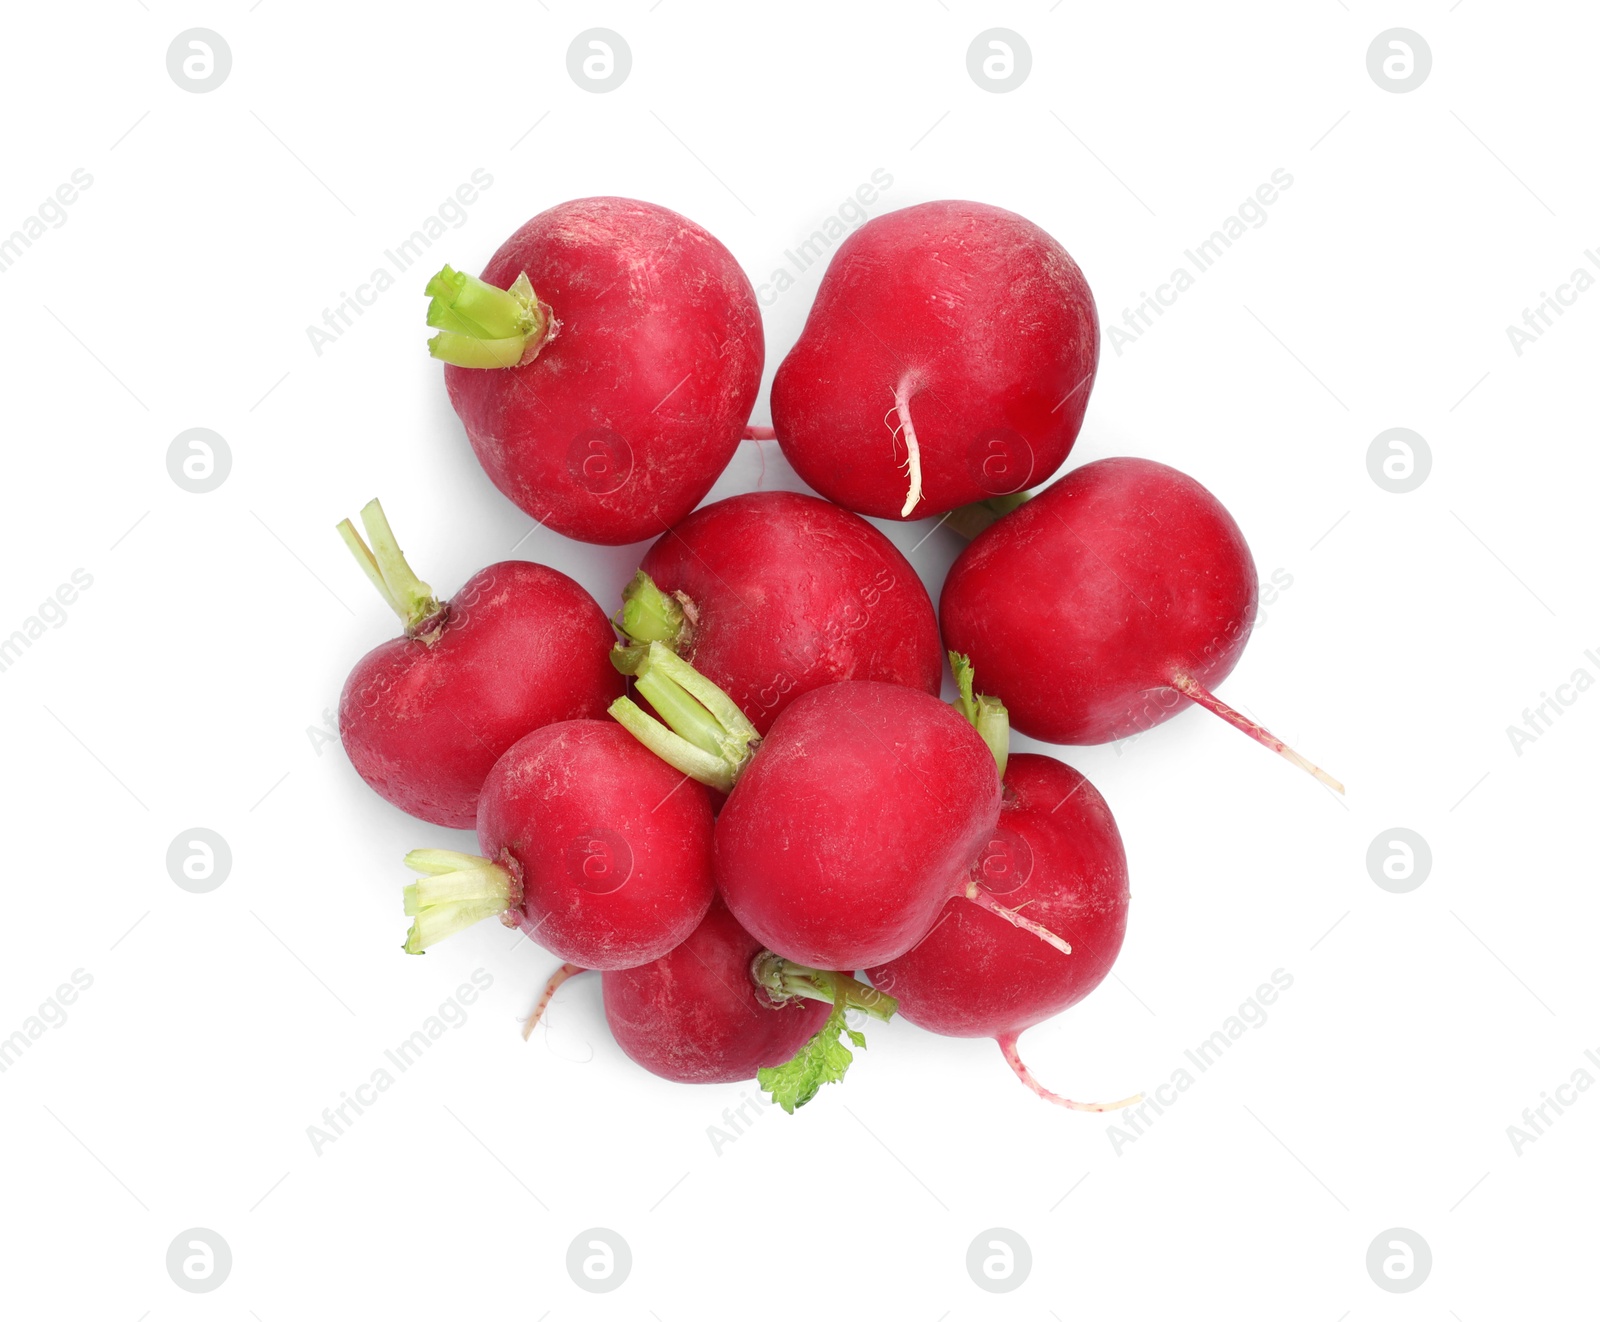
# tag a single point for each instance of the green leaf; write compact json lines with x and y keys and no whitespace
{"x":824,"y":1059}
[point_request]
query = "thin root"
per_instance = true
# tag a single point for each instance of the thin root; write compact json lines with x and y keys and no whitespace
{"x":550,"y":988}
{"x":1008,"y":1048}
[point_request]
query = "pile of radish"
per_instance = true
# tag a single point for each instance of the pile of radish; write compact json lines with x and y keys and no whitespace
{"x":741,"y":799}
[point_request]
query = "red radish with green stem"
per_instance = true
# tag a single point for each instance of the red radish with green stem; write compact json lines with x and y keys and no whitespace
{"x":1056,"y":851}
{"x":772,"y":594}
{"x":852,"y":822}
{"x":599,"y":852}
{"x":1098,"y":607}
{"x":424,"y":716}
{"x":604,"y":366}
{"x":948,"y":357}
{"x":720,"y":1008}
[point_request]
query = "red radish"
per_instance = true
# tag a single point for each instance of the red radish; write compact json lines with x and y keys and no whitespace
{"x":424,"y":716}
{"x":948,"y":357}
{"x":607,"y":403}
{"x":596,"y":849}
{"x":852,"y":822}
{"x":720,"y":1008}
{"x":697,"y":1016}
{"x":772,"y":594}
{"x":1095,"y":608}
{"x":1057,"y":851}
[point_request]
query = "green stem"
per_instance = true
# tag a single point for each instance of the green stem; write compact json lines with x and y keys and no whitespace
{"x":783,"y":979}
{"x":970,"y":520}
{"x":649,"y":615}
{"x":480,"y":325}
{"x":824,"y":1058}
{"x":385,"y":564}
{"x":454,"y":892}
{"x":987,"y":714}
{"x":706,"y":736}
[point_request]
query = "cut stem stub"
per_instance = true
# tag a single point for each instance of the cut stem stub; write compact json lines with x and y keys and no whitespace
{"x":1192,"y":690}
{"x":649,"y":615}
{"x":454,"y":891}
{"x":384,"y":563}
{"x":783,"y":980}
{"x":987,"y":715}
{"x":482,"y":326}
{"x":705,"y":735}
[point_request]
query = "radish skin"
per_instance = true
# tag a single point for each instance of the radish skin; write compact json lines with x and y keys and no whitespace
{"x":1104,"y":604}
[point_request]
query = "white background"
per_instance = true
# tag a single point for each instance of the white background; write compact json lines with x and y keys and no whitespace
{"x":186,"y":685}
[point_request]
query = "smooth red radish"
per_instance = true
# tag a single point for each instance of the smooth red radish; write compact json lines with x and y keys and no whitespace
{"x":720,"y":1008}
{"x":948,"y":358}
{"x":424,"y":716}
{"x":599,"y":851}
{"x":1096,"y":608}
{"x":1056,"y":851}
{"x":606,"y":403}
{"x":772,"y":594}
{"x":852,"y":822}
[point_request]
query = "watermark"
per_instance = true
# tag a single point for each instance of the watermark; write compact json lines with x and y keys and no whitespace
{"x":1251,"y":214}
{"x":1399,"y":1260}
{"x":738,"y":1120}
{"x":52,"y":212}
{"x":1134,"y":1122}
{"x":51,"y":613}
{"x":1399,"y":860}
{"x":804,"y":255}
{"x":599,"y":460}
{"x":199,"y":60}
{"x":1399,"y":60}
{"x":599,"y":60}
{"x":999,"y":1260}
{"x":320,"y":736}
{"x":1162,"y":703}
{"x":999,"y":60}
{"x":599,"y":1260}
{"x":199,"y":460}
{"x":599,"y":860}
{"x":766,"y":694}
{"x":450,"y":214}
{"x":1275,"y":585}
{"x":1541,"y":316}
{"x":199,"y":1260}
{"x":1538,"y":721}
{"x":198,"y":860}
{"x":1536,"y":1120}
{"x":52,"y":1013}
{"x":338,"y":1119}
{"x":1399,"y":460}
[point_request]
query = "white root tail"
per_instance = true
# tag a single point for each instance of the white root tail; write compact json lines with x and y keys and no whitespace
{"x":902,"y":409}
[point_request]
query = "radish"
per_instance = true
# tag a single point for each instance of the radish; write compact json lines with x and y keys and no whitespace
{"x":599,"y":850}
{"x":424,"y":716}
{"x":948,"y":357}
{"x":719,"y":1008}
{"x":1057,"y":851}
{"x":772,"y":594}
{"x":698,"y":1014}
{"x":1095,"y":608}
{"x":607,"y":403}
{"x":848,"y":827}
